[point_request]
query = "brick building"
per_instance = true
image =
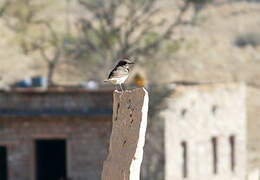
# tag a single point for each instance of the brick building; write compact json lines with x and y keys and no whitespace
{"x":49,"y":135}
{"x":54,"y":134}
{"x":205,"y":133}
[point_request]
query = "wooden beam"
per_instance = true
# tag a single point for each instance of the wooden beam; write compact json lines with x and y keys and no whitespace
{"x":125,"y":156}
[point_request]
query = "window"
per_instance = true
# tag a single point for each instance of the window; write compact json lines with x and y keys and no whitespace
{"x":232,"y":153}
{"x":214,"y":109}
{"x":183,"y":112}
{"x":184,"y":159}
{"x":215,"y":154}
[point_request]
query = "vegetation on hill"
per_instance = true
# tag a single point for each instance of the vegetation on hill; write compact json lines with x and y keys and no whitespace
{"x":103,"y":31}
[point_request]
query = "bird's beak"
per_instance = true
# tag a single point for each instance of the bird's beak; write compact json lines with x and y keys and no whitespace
{"x":131,"y":63}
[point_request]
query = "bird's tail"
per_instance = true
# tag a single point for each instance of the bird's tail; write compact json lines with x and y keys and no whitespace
{"x":106,"y":80}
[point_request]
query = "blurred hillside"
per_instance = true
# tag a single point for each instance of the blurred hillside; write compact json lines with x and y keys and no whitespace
{"x":222,"y":46}
{"x":211,"y":53}
{"x":207,"y":50}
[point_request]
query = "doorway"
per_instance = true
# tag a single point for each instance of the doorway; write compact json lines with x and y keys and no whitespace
{"x":50,"y":159}
{"x":3,"y":163}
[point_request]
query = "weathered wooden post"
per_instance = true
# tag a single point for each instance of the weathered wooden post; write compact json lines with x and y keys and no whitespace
{"x":130,"y":110}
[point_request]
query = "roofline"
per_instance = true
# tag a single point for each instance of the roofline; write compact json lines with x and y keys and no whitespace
{"x":56,"y":113}
{"x":57,"y":90}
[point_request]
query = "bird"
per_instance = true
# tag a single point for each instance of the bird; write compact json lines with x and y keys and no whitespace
{"x":120,"y":73}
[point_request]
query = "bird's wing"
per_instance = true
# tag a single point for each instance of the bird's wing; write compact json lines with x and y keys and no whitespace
{"x":118,"y":72}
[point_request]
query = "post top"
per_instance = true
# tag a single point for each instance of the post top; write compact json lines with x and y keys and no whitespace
{"x":135,"y":90}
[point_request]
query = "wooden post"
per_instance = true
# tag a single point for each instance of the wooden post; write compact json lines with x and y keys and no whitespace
{"x":125,"y":156}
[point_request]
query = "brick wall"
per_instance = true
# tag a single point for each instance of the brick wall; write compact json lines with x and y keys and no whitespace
{"x":87,"y":144}
{"x":81,"y":117}
{"x":57,"y":102}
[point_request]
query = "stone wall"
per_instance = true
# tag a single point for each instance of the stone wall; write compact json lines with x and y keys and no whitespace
{"x":197,"y":114}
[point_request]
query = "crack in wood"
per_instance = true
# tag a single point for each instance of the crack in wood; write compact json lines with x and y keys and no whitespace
{"x":117,"y":109}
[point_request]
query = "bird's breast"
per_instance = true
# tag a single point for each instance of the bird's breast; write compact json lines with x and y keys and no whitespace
{"x":119,"y":80}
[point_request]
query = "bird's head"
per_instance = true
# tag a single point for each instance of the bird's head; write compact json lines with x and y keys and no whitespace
{"x":125,"y":62}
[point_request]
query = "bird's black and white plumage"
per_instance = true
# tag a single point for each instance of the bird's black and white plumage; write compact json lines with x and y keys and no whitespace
{"x":120,"y":72}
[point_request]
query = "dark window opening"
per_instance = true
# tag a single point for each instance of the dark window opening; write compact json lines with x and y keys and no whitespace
{"x":214,"y":109}
{"x":232,"y":152}
{"x":215,"y":155}
{"x":184,"y":159}
{"x":3,"y":163}
{"x":50,"y":159}
{"x":183,"y":112}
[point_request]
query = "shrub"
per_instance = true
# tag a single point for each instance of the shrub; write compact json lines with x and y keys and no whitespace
{"x":248,"y":39}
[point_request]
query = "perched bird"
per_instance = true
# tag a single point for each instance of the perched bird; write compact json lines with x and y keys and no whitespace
{"x":120,"y":72}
